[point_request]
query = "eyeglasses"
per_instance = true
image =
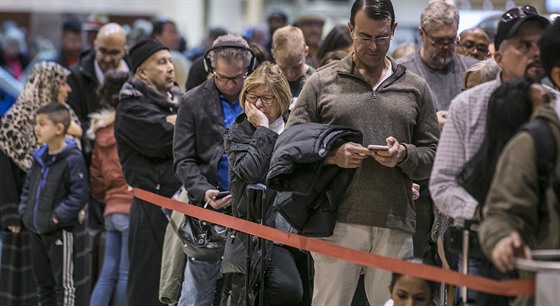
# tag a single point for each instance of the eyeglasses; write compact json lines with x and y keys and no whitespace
{"x":265,"y":99}
{"x":471,"y":45}
{"x":440,"y":42}
{"x":519,"y":12}
{"x":224,"y":80}
{"x":110,"y":53}
{"x":379,"y":41}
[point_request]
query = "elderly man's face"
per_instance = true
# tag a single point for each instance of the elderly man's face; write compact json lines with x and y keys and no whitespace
{"x":438,"y":44}
{"x":519,"y":56}
{"x":158,"y":71}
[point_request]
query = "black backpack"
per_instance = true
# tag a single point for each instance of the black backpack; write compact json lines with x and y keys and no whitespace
{"x":546,"y":149}
{"x":547,"y":153}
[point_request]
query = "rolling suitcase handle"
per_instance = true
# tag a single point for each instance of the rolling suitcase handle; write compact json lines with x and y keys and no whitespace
{"x":259,"y":190}
{"x":465,"y":263}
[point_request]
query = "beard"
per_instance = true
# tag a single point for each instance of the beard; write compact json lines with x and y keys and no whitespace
{"x":442,"y":59}
{"x":535,"y":71}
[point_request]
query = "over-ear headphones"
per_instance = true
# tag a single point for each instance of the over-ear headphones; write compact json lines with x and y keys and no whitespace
{"x":229,"y":44}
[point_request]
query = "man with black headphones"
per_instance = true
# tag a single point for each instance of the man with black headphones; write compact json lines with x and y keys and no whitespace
{"x":200,"y":161}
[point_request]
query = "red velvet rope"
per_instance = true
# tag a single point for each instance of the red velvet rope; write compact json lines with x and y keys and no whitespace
{"x":478,"y":283}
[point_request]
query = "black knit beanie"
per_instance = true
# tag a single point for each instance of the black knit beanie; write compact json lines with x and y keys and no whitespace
{"x":142,"y":50}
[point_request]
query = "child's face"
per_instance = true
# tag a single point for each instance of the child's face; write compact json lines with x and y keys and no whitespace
{"x":45,"y":129}
{"x":411,"y":291}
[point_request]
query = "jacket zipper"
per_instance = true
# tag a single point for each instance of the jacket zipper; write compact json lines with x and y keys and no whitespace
{"x":44,"y":173}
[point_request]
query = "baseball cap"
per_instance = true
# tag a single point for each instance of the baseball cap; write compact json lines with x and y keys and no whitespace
{"x":513,"y":19}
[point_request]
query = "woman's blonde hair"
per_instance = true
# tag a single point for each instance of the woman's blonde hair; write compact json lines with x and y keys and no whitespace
{"x":269,"y":75}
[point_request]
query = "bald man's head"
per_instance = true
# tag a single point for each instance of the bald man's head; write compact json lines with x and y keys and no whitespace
{"x":110,"y":46}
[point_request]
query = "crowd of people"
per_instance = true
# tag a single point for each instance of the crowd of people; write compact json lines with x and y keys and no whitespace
{"x":330,"y":138}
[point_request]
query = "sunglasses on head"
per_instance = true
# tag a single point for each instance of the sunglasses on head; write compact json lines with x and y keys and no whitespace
{"x":519,"y":12}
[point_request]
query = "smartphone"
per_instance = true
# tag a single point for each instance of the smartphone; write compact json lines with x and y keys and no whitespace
{"x":221,"y":194}
{"x":378,"y":148}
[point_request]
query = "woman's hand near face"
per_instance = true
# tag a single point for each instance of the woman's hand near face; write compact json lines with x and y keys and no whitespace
{"x":255,"y":116}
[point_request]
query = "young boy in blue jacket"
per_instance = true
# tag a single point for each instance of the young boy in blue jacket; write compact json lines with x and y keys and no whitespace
{"x":55,"y":191}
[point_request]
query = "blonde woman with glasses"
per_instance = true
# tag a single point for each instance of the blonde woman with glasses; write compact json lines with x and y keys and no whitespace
{"x":249,"y":144}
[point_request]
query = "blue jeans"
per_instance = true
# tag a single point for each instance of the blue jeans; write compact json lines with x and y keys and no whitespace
{"x":115,"y":263}
{"x":484,"y":268}
{"x":199,"y":284}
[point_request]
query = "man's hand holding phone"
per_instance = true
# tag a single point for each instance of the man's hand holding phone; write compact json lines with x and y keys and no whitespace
{"x":378,"y":148}
{"x":217,"y":199}
{"x":348,"y":155}
{"x":390,"y":157}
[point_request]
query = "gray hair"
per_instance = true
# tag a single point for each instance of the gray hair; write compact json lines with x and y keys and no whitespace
{"x":487,"y":70}
{"x":439,"y":13}
{"x":230,"y":55}
{"x":504,"y":45}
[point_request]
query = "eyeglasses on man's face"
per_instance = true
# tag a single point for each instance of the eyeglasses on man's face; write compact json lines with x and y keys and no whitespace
{"x":471,"y":45}
{"x":519,"y":12}
{"x":367,"y":40}
{"x":224,"y":79}
{"x":265,"y":99}
{"x":110,"y":53}
{"x":440,"y":42}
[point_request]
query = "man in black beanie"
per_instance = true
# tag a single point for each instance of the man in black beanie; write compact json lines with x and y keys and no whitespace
{"x":144,"y":126}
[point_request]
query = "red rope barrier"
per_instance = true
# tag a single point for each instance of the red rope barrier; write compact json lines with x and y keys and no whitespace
{"x":478,"y":283}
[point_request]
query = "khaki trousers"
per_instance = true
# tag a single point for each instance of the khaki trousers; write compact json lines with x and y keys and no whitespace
{"x":336,"y":280}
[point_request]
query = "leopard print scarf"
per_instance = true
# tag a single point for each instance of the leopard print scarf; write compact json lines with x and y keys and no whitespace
{"x":17,"y":136}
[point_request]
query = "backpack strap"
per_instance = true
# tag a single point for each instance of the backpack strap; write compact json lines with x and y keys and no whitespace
{"x":546,"y":150}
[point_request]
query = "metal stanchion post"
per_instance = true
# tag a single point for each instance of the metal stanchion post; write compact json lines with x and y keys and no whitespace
{"x":547,"y":280}
{"x":464,"y":297}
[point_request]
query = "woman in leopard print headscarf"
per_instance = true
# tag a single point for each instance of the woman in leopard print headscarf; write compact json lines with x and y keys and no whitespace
{"x":46,"y":84}
{"x":17,"y":137}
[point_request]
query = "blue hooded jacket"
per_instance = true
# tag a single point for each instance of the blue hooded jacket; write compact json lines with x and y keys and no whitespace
{"x":55,"y":186}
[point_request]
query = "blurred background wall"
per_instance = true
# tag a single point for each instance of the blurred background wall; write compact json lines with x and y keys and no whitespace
{"x":195,"y":17}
